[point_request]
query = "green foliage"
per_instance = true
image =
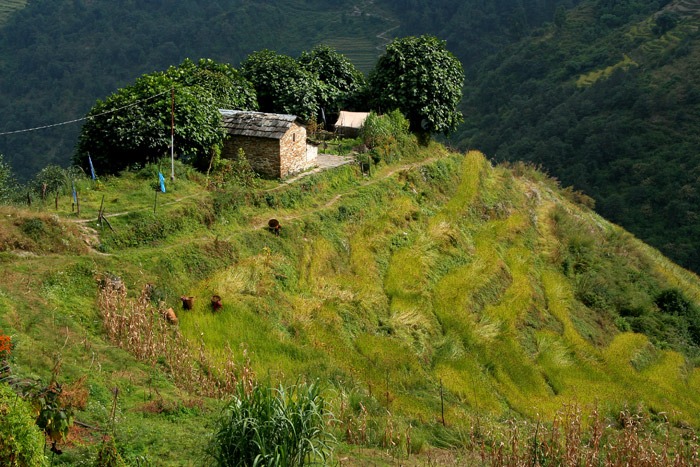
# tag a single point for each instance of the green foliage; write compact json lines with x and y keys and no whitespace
{"x":133,"y":125}
{"x":673,"y":302}
{"x":226,"y":173}
{"x":229,"y":88}
{"x":21,"y":441}
{"x":421,"y":78}
{"x":387,"y":136}
{"x":54,"y":179}
{"x":58,"y":404}
{"x":8,"y":186}
{"x":340,"y":80}
{"x":284,"y":426}
{"x":107,"y":454}
{"x":282,"y":84}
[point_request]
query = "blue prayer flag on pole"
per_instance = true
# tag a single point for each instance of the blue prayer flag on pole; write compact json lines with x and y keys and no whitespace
{"x":161,"y":179}
{"x":92,"y":169}
{"x":75,"y":194}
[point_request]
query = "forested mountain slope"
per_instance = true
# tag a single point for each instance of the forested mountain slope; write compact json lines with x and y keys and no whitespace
{"x":607,"y":100}
{"x":438,"y":288}
{"x":59,"y":56}
{"x":603,"y":94}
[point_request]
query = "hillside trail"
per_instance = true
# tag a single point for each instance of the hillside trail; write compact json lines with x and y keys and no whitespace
{"x":91,"y":235}
{"x":259,"y":223}
{"x":364,"y":8}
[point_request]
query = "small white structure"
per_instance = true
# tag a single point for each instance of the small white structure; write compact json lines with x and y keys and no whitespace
{"x":350,"y":123}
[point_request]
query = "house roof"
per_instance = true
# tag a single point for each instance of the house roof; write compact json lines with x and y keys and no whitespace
{"x":351,"y":119}
{"x":257,"y":124}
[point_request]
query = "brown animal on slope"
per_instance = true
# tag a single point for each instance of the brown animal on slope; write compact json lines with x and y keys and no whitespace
{"x":170,"y":316}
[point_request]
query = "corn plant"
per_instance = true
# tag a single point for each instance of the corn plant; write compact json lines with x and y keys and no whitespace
{"x":264,"y":426}
{"x":138,"y":327}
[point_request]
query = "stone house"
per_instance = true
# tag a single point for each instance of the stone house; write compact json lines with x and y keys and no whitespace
{"x":274,"y":144}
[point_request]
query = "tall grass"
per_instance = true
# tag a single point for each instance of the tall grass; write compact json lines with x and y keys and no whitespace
{"x":140,"y":328}
{"x":573,"y":438}
{"x":283,"y":426}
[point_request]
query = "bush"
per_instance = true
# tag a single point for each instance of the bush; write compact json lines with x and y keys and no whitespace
{"x":673,"y":302}
{"x":107,"y":454}
{"x":388,"y":136}
{"x":21,"y":441}
{"x":272,"y":427}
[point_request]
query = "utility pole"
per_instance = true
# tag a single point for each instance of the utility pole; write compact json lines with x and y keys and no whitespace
{"x":172,"y":134}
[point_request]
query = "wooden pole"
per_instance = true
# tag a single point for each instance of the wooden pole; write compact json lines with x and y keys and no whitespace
{"x":56,"y":200}
{"x":172,"y":134}
{"x":442,"y":403}
{"x":155,"y":202}
{"x":77,"y":203}
{"x":99,"y":213}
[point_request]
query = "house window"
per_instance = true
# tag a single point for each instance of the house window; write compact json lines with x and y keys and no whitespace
{"x":294,"y":137}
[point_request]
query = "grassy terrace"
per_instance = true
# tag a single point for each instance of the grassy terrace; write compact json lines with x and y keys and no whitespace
{"x":7,"y":7}
{"x":439,"y":274}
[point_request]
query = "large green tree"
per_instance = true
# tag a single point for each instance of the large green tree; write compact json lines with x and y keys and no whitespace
{"x":422,"y":79}
{"x":133,"y":125}
{"x":7,"y":182}
{"x":340,"y":81}
{"x":282,"y":84}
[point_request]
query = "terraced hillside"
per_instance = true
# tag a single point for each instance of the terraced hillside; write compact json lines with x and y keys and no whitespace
{"x":7,"y":7}
{"x":438,"y":296}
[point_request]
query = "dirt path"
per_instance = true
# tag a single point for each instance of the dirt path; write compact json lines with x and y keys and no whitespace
{"x":260,"y":223}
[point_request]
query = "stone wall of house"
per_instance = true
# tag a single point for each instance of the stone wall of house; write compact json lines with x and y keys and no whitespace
{"x":293,"y":148}
{"x":262,"y":153}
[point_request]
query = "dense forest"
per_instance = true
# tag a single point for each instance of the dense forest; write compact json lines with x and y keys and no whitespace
{"x":602,"y":94}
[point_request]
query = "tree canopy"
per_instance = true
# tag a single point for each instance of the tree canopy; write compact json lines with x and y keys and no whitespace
{"x":339,"y":80}
{"x":282,"y":84}
{"x":133,"y":125}
{"x":422,"y":79}
{"x":7,"y":181}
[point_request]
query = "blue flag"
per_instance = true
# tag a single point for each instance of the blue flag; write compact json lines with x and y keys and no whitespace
{"x":75,"y":194}
{"x":92,"y":169}
{"x":161,"y":179}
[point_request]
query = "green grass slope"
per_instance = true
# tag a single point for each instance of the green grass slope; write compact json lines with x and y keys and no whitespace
{"x":441,"y":286}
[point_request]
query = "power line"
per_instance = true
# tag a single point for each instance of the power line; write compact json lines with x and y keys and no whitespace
{"x":84,"y":118}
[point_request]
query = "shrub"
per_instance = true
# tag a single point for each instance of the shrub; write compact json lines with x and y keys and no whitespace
{"x":8,"y":184}
{"x":272,"y":427}
{"x":107,"y":454}
{"x":388,"y":136}
{"x":21,"y":441}
{"x":673,"y":302}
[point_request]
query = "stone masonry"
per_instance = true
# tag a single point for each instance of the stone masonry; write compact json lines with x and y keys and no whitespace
{"x":275,"y":144}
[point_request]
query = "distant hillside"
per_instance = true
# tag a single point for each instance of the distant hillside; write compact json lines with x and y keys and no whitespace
{"x":60,"y":56}
{"x":8,"y":7}
{"x":440,"y":277}
{"x":602,"y":94}
{"x":607,"y":100}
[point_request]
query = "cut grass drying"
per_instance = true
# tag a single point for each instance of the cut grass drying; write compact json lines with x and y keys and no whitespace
{"x":437,"y":274}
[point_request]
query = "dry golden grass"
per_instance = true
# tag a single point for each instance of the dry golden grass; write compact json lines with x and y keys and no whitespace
{"x":136,"y":326}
